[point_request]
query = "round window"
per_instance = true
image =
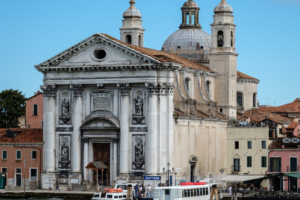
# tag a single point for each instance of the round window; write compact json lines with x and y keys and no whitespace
{"x":99,"y":54}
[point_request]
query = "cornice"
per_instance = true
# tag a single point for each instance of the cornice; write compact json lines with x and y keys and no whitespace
{"x":197,"y":71}
{"x":243,"y":80}
{"x":55,"y":61}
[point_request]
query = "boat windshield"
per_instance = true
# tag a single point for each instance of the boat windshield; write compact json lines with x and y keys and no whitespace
{"x":123,"y":187}
{"x":97,"y":195}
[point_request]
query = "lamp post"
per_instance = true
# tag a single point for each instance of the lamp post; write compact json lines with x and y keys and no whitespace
{"x":168,"y":172}
{"x":175,"y":178}
{"x":221,"y":171}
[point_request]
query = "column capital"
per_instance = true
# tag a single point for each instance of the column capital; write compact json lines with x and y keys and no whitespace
{"x":78,"y":90}
{"x":153,"y":88}
{"x":115,"y":140}
{"x":167,"y":88}
{"x":85,"y":139}
{"x":124,"y":88}
{"x":49,"y":90}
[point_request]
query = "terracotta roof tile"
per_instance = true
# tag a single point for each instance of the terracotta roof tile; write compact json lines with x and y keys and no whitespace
{"x":293,"y":107}
{"x":277,"y":144}
{"x":293,"y":125}
{"x":241,"y":75}
{"x":257,"y":115}
{"x":164,"y":56}
{"x":24,"y":136}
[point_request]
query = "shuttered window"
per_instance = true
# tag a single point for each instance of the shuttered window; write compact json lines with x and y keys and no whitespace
{"x":249,"y":161}
{"x":4,"y":154}
{"x":35,"y":109}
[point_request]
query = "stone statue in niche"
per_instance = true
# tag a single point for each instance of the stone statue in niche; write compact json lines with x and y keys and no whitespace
{"x":65,"y":115}
{"x":64,"y":153}
{"x":65,"y":107}
{"x":139,"y":159}
{"x":138,"y":106}
{"x":138,"y":117}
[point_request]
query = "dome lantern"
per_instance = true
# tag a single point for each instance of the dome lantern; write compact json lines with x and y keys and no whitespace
{"x":190,"y":15}
{"x":132,"y":12}
{"x":223,"y":7}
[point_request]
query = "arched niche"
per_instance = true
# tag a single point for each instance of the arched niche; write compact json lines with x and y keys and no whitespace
{"x":193,"y":162}
{"x":138,"y":107}
{"x":138,"y":153}
{"x":65,"y":107}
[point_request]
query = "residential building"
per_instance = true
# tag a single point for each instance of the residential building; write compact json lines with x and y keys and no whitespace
{"x":137,"y":109}
{"x":18,"y":146}
{"x":284,"y":157}
{"x":34,"y":111}
{"x":247,"y":152}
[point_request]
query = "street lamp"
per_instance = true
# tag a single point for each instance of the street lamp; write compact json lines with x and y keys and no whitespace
{"x":169,"y":172}
{"x":221,"y":171}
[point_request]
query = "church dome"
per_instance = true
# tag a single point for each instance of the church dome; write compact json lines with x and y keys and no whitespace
{"x":223,"y":7}
{"x":132,"y":12}
{"x":189,"y":43}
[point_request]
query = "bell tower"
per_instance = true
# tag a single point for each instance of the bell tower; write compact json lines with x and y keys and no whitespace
{"x":223,"y":58}
{"x":132,"y":31}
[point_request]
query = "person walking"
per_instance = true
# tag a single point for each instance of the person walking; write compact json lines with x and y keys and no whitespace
{"x":230,"y":190}
{"x":57,"y":187}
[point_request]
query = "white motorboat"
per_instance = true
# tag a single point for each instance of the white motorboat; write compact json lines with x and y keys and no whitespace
{"x":109,"y":196}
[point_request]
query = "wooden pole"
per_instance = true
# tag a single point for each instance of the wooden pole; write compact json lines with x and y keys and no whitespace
{"x":102,"y":176}
{"x":97,"y":180}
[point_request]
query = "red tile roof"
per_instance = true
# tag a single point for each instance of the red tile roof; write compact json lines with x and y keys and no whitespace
{"x":293,"y":107}
{"x":25,"y":136}
{"x":164,"y":56}
{"x":241,"y":75}
{"x":257,"y":115}
{"x":292,"y":125}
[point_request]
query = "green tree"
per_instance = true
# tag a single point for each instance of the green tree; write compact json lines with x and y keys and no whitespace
{"x":12,"y":106}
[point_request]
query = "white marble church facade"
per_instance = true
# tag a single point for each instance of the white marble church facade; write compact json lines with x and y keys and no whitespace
{"x":137,"y":109}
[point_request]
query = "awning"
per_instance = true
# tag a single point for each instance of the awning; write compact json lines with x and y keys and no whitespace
{"x":239,"y":178}
{"x":289,"y":174}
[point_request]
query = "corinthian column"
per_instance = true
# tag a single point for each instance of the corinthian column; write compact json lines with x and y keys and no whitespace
{"x":169,"y":128}
{"x":124,"y":128}
{"x":85,"y":156}
{"x":76,"y":137}
{"x":151,"y":163}
{"x":49,"y":127}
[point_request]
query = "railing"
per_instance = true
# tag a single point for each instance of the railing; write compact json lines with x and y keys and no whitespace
{"x":293,"y":169}
{"x":275,"y":169}
{"x":236,"y":168}
{"x":269,"y":195}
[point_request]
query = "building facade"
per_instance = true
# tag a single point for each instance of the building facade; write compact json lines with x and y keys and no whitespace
{"x":34,"y":111}
{"x":18,"y":146}
{"x":136,"y":109}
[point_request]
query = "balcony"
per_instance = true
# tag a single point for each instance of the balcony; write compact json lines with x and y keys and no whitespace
{"x":291,"y":141}
{"x":293,"y":169}
{"x":235,"y":169}
{"x":275,"y":169}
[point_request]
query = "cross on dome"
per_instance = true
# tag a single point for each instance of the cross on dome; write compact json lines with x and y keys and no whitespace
{"x":132,"y":2}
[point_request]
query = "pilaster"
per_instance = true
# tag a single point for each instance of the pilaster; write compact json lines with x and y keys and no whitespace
{"x":115,"y":157}
{"x":85,"y":141}
{"x":76,"y":138}
{"x":124,"y":89}
{"x":49,"y":128}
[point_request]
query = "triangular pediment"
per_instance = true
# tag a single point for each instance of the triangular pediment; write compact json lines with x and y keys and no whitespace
{"x":99,"y":124}
{"x":293,"y":155}
{"x":275,"y":155}
{"x":86,"y":53}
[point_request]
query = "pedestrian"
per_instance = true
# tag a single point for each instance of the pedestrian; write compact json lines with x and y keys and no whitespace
{"x":149,"y":188}
{"x":230,"y":190}
{"x":57,"y":187}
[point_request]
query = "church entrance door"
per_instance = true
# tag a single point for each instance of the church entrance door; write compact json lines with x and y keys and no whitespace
{"x":102,"y":154}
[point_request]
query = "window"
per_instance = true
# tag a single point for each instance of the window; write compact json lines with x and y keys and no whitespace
{"x":128,"y":39}
{"x":208,"y":86}
{"x":140,"y":40}
{"x":249,"y":145}
{"x":4,"y":170}
{"x":109,"y":196}
{"x":33,"y":154}
{"x":206,"y":191}
{"x":231,"y":39}
{"x":249,"y":161}
{"x":220,"y":39}
{"x":178,"y":50}
{"x":254,"y":100}
{"x":236,"y":144}
{"x":263,"y":145}
{"x":33,"y":174}
{"x":236,"y":165}
{"x":221,"y":110}
{"x":187,"y":83}
{"x":187,"y":19}
{"x":4,"y":154}
{"x":193,"y":19}
{"x":201,"y":191}
{"x":35,"y":107}
{"x":240,"y":98}
{"x":263,"y":161}
{"x":275,"y":164}
{"x":18,"y":170}
{"x":18,"y":156}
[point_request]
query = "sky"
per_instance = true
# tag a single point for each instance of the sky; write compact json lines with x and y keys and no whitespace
{"x":267,"y":36}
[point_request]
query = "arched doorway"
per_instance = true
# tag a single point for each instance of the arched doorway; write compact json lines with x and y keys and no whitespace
{"x":193,"y":161}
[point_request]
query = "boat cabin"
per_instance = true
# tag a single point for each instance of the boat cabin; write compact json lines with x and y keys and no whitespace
{"x":190,"y":192}
{"x":109,"y":196}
